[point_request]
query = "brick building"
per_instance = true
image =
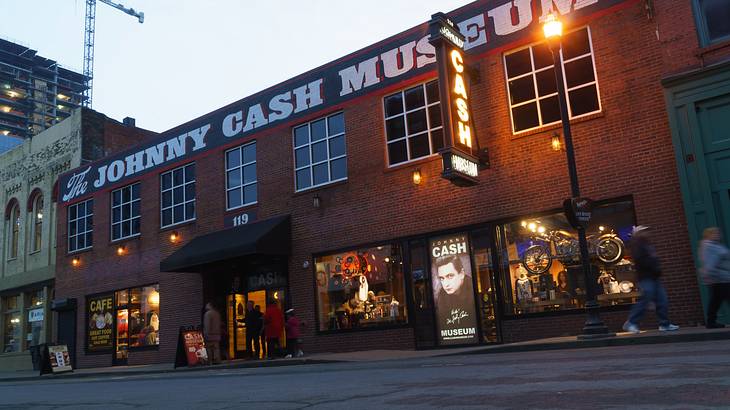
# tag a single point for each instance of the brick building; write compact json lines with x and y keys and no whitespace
{"x":325,"y":193}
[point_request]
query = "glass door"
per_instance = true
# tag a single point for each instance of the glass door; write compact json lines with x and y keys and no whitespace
{"x":421,"y":298}
{"x":121,"y":346}
{"x":485,"y":282}
{"x":236,"y":326}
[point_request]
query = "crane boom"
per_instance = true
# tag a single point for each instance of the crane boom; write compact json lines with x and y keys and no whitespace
{"x":89,"y":41}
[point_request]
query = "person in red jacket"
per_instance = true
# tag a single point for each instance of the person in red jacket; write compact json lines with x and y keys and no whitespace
{"x":293,"y":333}
{"x":273,"y":326}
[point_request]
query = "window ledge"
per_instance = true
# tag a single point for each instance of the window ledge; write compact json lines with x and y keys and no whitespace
{"x":241,"y":208}
{"x":557,"y":126}
{"x":416,"y":162}
{"x":177,"y":225}
{"x":125,"y":239}
{"x":320,"y":187}
{"x":710,"y":48}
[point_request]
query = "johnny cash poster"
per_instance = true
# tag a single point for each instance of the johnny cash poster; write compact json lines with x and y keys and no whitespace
{"x":453,"y":290}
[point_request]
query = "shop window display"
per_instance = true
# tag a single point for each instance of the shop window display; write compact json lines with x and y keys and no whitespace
{"x":361,"y":288}
{"x":542,"y":266}
{"x":13,"y":325}
{"x":35,"y":302}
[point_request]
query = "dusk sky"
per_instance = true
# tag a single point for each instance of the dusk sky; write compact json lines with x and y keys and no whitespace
{"x":192,"y":57}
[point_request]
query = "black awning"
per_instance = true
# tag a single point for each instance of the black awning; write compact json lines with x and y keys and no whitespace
{"x":270,"y":237}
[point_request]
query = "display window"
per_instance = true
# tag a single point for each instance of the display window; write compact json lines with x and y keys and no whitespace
{"x":35,"y":312}
{"x":13,"y":324}
{"x":361,"y":288}
{"x":542,"y":271}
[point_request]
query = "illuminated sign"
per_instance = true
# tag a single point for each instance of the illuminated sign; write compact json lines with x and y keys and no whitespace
{"x":460,"y":164}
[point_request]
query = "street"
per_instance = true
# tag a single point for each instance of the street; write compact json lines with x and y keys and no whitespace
{"x":665,"y":376}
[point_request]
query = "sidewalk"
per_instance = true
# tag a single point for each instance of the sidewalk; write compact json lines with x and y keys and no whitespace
{"x":691,"y":334}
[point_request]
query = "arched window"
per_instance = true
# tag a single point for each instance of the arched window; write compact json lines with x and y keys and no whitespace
{"x":37,"y":222}
{"x":14,"y":230}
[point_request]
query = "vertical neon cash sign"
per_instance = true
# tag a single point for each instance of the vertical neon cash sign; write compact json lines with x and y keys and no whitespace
{"x":460,"y":99}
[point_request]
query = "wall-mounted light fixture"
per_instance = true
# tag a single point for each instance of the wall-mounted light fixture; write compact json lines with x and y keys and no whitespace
{"x":76,"y":261}
{"x":174,"y":237}
{"x":555,"y":142}
{"x":316,"y":201}
{"x":121,"y":250}
{"x":417,"y":176}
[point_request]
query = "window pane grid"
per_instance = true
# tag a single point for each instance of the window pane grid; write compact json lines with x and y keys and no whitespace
{"x":409,"y":137}
{"x":80,"y":215}
{"x":538,"y":98}
{"x":177,"y":211}
{"x":309,"y":167}
{"x":125,"y":198}
{"x":236,"y":192}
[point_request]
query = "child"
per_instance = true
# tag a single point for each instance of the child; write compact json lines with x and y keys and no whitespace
{"x":293,"y":333}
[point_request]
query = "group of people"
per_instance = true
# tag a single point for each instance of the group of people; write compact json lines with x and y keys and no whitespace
{"x":263,"y":330}
{"x":714,"y":272}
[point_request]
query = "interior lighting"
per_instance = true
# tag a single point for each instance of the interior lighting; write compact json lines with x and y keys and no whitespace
{"x":6,"y":108}
{"x":532,"y":226}
{"x":523,"y":224}
{"x":154,"y":298}
{"x":6,"y":132}
{"x":601,"y":228}
{"x":541,"y":229}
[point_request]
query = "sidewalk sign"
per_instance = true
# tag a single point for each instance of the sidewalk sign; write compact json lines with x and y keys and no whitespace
{"x":55,"y":359}
{"x":190,"y":347}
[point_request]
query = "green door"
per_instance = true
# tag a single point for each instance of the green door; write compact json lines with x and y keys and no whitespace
{"x":699,"y":112}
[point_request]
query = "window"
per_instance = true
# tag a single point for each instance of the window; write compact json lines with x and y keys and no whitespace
{"x":319,"y":152}
{"x":413,"y":123}
{"x":80,"y":225}
{"x":37,"y":222}
{"x":125,"y":212}
{"x":241,"y":181}
{"x":533,"y":95}
{"x":544,"y":268}
{"x":713,"y":20}
{"x":35,"y":306}
{"x":13,"y":324}
{"x":14,"y":231}
{"x":361,"y":288}
{"x":178,"y":195}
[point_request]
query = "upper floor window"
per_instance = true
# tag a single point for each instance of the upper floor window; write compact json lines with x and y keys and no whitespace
{"x":713,"y":20}
{"x":37,"y":222}
{"x":533,"y":94}
{"x":80,"y":225}
{"x":14,"y":231}
{"x":413,"y":123}
{"x":241,"y":179}
{"x":178,"y":195}
{"x":319,"y":152}
{"x":125,"y":212}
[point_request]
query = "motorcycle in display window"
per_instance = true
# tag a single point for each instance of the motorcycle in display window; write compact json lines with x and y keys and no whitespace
{"x":607,"y":248}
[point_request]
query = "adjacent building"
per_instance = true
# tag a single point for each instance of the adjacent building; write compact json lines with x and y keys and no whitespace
{"x":28,"y":237}
{"x":35,"y":93}
{"x":394,"y":205}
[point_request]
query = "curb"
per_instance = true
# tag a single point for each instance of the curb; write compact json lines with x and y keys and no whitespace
{"x":180,"y":370}
{"x":606,"y":342}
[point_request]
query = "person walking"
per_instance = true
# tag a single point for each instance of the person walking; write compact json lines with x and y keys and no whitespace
{"x":293,"y":333}
{"x":273,"y":326}
{"x":212,"y":326}
{"x":648,"y":270}
{"x":253,"y":330}
{"x":715,"y":272}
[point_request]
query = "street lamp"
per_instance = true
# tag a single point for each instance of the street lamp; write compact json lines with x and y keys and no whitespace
{"x":594,"y":327}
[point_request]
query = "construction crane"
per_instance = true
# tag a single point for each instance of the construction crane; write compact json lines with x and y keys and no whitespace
{"x":89,"y":42}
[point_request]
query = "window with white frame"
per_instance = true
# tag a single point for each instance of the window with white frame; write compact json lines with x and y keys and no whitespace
{"x":533,"y":94}
{"x":126,"y":212}
{"x":413,"y":123}
{"x":80,"y":225}
{"x":37,"y":218}
{"x":713,"y":20}
{"x":177,"y":188}
{"x":241,"y":181}
{"x":320,"y":155}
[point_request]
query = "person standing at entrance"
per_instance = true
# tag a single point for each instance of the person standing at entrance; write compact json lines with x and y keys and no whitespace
{"x":253,"y":330}
{"x":715,"y":272}
{"x":212,"y":325}
{"x":273,"y":325}
{"x":648,"y":270}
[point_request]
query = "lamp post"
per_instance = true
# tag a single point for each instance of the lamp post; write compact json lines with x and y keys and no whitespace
{"x":594,"y":327}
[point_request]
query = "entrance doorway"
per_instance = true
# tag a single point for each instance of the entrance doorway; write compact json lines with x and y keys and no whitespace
{"x":236,"y":321}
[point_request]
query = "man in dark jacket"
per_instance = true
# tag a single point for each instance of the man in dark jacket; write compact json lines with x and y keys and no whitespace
{"x":648,"y":271}
{"x":254,"y":323}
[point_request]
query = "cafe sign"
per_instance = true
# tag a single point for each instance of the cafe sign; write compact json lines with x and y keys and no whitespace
{"x":460,"y":165}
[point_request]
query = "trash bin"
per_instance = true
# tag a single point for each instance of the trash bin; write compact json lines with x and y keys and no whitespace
{"x":35,"y":355}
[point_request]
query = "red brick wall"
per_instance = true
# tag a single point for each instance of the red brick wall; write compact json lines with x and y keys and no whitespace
{"x":625,"y":150}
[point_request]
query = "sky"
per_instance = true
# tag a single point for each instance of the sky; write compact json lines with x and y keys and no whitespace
{"x":189,"y":58}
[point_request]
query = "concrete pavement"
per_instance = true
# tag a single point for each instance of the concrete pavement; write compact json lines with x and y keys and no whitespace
{"x":684,"y":335}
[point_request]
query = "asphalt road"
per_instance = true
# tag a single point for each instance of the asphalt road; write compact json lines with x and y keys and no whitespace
{"x":671,"y":376}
